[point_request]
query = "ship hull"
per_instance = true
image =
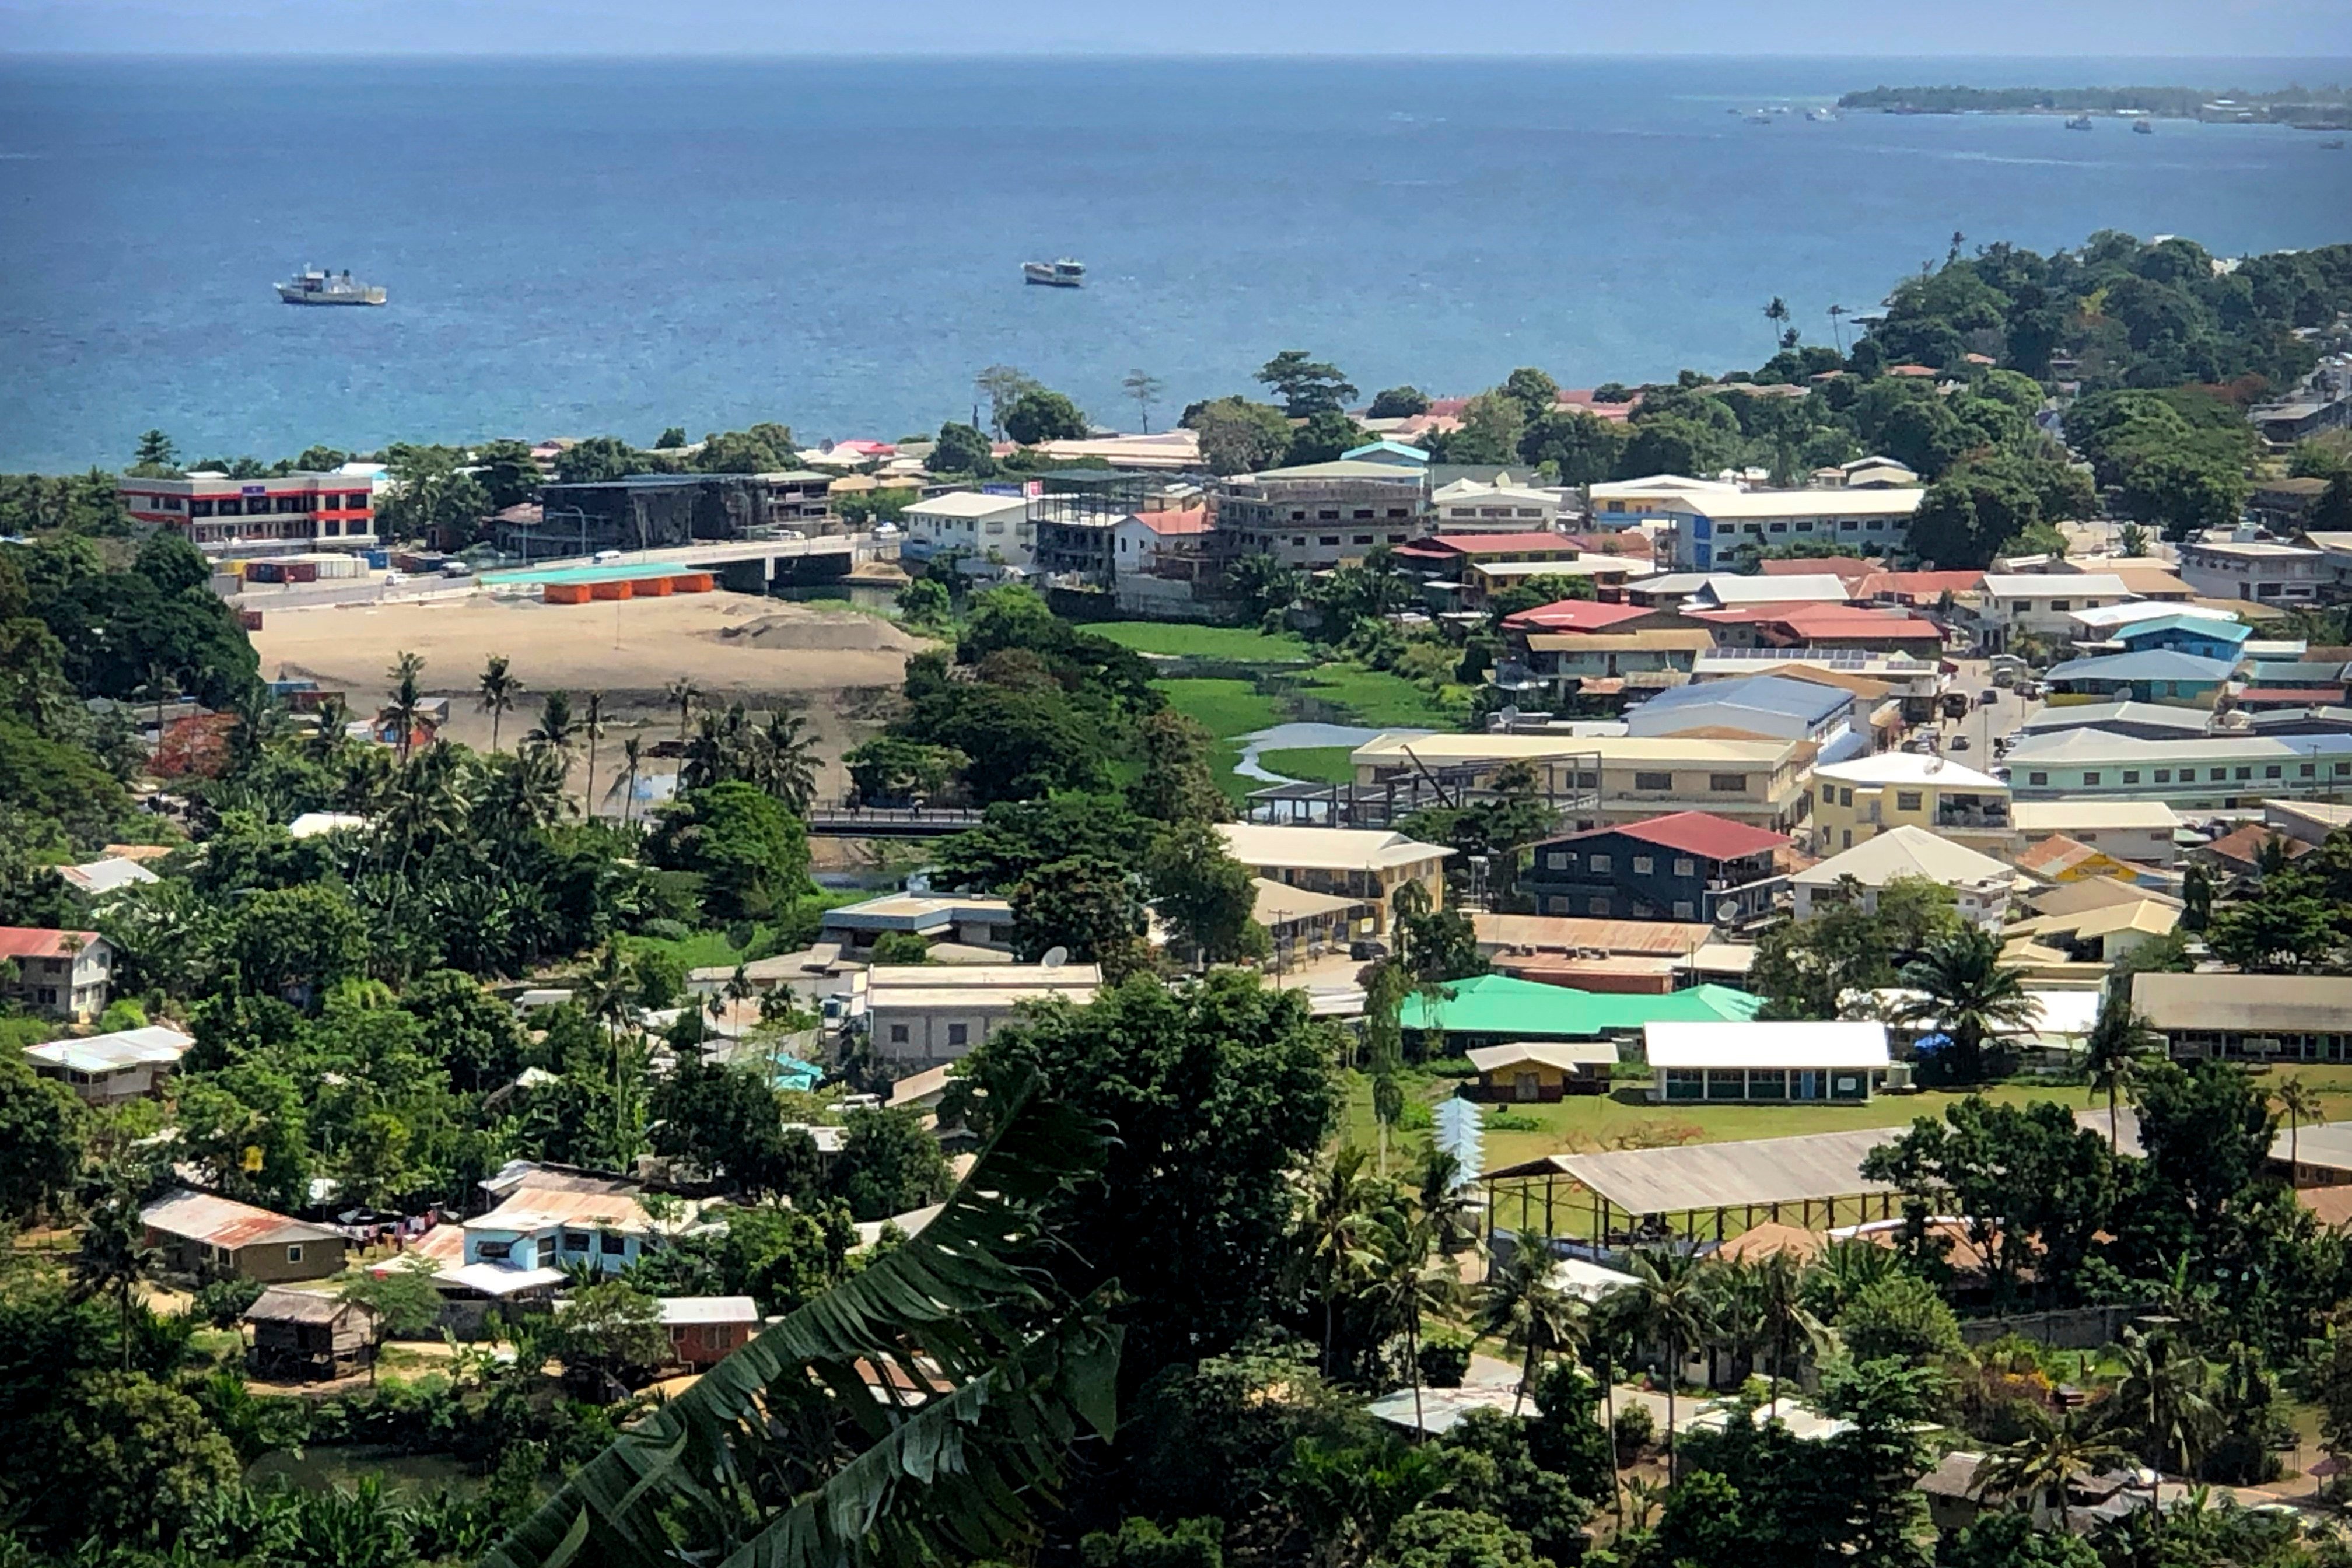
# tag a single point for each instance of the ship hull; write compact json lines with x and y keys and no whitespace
{"x":302,"y":296}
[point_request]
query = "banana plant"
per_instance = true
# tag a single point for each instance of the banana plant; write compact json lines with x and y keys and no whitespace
{"x":923,"y":1409}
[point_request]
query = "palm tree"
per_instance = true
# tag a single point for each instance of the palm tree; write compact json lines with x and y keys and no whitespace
{"x":1533,"y":1316}
{"x":1838,"y":314}
{"x":1778,"y":1282}
{"x":788,"y":761}
{"x":161,"y":685}
{"x":1445,"y":1202}
{"x":1406,"y":1281}
{"x":2300,"y":1101}
{"x":1968,"y":993}
{"x":2054,"y":1451}
{"x":683,"y":695}
{"x":114,"y":1259}
{"x":1671,"y":1308}
{"x":407,"y":697}
{"x":556,"y":726}
{"x":633,"y":752}
{"x":609,"y":991}
{"x":592,"y":724}
{"x":2119,"y":1041}
{"x":1337,"y":1236}
{"x":1777,"y":312}
{"x":499,"y":687}
{"x":2162,"y":1404}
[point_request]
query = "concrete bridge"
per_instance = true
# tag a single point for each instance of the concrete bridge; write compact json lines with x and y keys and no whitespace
{"x":890,"y":821}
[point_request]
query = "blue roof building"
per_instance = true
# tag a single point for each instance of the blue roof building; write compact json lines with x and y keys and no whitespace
{"x":1775,"y":705}
{"x":1386,"y":451}
{"x":2158,"y":675}
{"x":2200,"y":636}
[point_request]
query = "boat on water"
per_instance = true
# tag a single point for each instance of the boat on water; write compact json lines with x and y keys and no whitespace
{"x":1820,"y":116}
{"x":2143,"y":128}
{"x":2080,"y":122}
{"x":2333,"y":145}
{"x":312,"y":286}
{"x":1062,"y":274}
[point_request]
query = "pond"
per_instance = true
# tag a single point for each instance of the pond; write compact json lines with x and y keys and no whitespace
{"x":1301,"y":737}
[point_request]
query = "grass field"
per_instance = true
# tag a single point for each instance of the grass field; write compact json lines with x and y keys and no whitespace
{"x":1378,"y":698}
{"x":1242,"y":644}
{"x":1314,"y":764}
{"x":1227,"y":709}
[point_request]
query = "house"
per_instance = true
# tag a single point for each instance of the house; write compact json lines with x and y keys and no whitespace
{"x":2249,"y":1017}
{"x":1590,"y":616}
{"x":1482,"y":578}
{"x":1305,"y":924}
{"x":1857,"y":799}
{"x":967,"y":919}
{"x":1368,"y":865}
{"x":980,"y":529}
{"x":106,"y":1070}
{"x":552,"y":1217}
{"x":1728,"y":591}
{"x":317,"y":824}
{"x":1171,"y":543}
{"x":2205,"y":637}
{"x":2258,"y":571}
{"x":1403,"y":454}
{"x":2222,"y":771}
{"x":1874,"y":473}
{"x":1711,"y":528}
{"x":1980,"y":884}
{"x":1758,"y":781}
{"x":2140,"y":831}
{"x":1819,"y":625}
{"x":2015,"y":604}
{"x":57,"y":973}
{"x":1469,"y":504}
{"x":1543,"y":1071}
{"x":1915,"y":590}
{"x":303,"y":1334}
{"x":1688,"y":866}
{"x":2136,"y":721}
{"x":2244,"y":852}
{"x":1560,"y":667}
{"x":1747,"y":1062}
{"x":2105,"y":935}
{"x":706,"y":1330}
{"x":1506,"y":939}
{"x":2058,"y":858}
{"x":1498,"y":1009}
{"x":1764,"y":705}
{"x":2284,"y":505}
{"x":215,"y":1238}
{"x":102,"y":878}
{"x":2159,"y":676}
{"x":924,"y":1015}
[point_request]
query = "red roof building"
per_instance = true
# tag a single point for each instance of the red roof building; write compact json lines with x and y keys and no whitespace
{"x":40,"y":941}
{"x":1580,"y":400}
{"x":1170,"y":524}
{"x":1915,"y":587}
{"x":1912,"y":370}
{"x":1702,"y":834}
{"x":1821,"y":626}
{"x":1586,"y":615}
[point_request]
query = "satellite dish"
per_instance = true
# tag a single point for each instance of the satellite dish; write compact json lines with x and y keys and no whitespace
{"x":1725,"y":913}
{"x":1055,"y":957}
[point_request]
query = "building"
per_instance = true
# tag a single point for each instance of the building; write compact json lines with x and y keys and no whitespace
{"x":1543,"y":1071}
{"x":1822,"y":626}
{"x":982,"y":530}
{"x":304,"y":1335}
{"x":2138,"y":720}
{"x":2201,"y":636}
{"x":2219,"y":772}
{"x":1856,"y":800}
{"x":103,"y":878}
{"x":645,"y":511}
{"x":2104,"y":935}
{"x":106,"y":1070}
{"x":2141,"y":831}
{"x":2016,"y":605}
{"x":706,"y":1330}
{"x":2257,"y":570}
{"x":1558,"y":668}
{"x":1780,"y":590}
{"x":2058,"y":858}
{"x":1499,"y":1009}
{"x":549,"y":1217}
{"x":967,"y":919}
{"x":1306,"y":925}
{"x":1748,"y":1062}
{"x":1872,"y":473}
{"x":1468,"y":504}
{"x":1174,"y":544}
{"x":1318,"y":515}
{"x":1774,"y":706}
{"x":1760,"y":782}
{"x":2158,"y":676}
{"x":1590,"y":616}
{"x":2249,"y":1017}
{"x":1980,"y":885}
{"x":1711,"y":528}
{"x":279,"y":515}
{"x":57,"y":973}
{"x":918,"y":1017}
{"x":1367,"y":865}
{"x":1625,"y":503}
{"x":1482,"y":579}
{"x":1688,"y":866}
{"x":214,"y":1237}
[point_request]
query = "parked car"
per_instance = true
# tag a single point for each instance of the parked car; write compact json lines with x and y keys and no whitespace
{"x":1367,"y":951}
{"x":1987,"y":697}
{"x":1959,"y":742}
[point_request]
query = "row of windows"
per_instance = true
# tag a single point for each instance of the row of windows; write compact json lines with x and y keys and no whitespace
{"x":1876,"y":525}
{"x":2213,"y":775}
{"x":1716,"y":783}
{"x":1602,"y":909}
{"x":256,"y":506}
{"x":958,"y":1034}
{"x":1275,"y":541}
{"x":1839,"y":795}
{"x":1644,"y":865}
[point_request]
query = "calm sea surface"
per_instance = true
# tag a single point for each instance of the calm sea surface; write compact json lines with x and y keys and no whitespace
{"x":574,"y":248}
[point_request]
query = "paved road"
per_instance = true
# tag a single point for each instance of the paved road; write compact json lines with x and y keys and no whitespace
{"x":1984,"y":726}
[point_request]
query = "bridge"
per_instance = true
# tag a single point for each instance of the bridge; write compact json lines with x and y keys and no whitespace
{"x":746,"y":565}
{"x":890,"y":821}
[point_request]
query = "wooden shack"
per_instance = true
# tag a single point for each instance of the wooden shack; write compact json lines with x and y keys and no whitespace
{"x":302,"y":1334}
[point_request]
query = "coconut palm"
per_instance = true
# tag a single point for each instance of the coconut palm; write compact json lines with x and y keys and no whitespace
{"x":2163,"y":1404}
{"x":499,"y":687}
{"x":592,"y":724}
{"x":633,"y":753}
{"x":2119,"y":1041}
{"x":407,"y":697}
{"x":1671,"y":1308}
{"x":1968,"y":993}
{"x":788,"y":761}
{"x":113,"y":1257}
{"x":1778,"y":313}
{"x":1337,"y":1236}
{"x":1779,"y":1283}
{"x":2053,"y":1452}
{"x":683,"y":695}
{"x":557,"y":725}
{"x":1838,"y":314}
{"x":2300,"y":1102}
{"x":1408,"y":1279}
{"x":1445,"y":1202}
{"x":1532,"y":1314}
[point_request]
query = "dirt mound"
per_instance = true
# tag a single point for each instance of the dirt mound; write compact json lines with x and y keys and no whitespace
{"x":810,"y":631}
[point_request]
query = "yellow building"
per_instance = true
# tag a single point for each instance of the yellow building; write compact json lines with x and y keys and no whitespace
{"x":1631,"y":778}
{"x":1363,"y":864}
{"x":1858,"y":800}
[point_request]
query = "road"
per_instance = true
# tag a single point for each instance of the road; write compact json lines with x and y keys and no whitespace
{"x":1984,"y":726}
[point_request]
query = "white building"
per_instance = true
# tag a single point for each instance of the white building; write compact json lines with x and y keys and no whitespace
{"x":2041,"y":604}
{"x":925,"y":1016}
{"x":1736,"y":1063}
{"x":2258,"y":570}
{"x":1621,"y":504}
{"x":1979,"y":883}
{"x":2141,"y":831}
{"x":1468,"y":506}
{"x":104,"y":878}
{"x":985,"y":529}
{"x":107,"y":1068}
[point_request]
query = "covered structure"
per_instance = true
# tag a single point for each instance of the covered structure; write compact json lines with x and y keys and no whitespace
{"x":1738,"y":1063}
{"x":1543,"y":1070}
{"x":302,"y":1333}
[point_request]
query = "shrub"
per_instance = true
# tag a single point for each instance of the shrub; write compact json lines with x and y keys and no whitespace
{"x":1445,"y":1359}
{"x":1632,"y":1432}
{"x":224,"y":1302}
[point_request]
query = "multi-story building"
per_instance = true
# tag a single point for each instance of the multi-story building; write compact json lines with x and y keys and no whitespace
{"x":1776,"y":705}
{"x":1320,"y":515}
{"x":59,"y":974}
{"x":1980,"y":885}
{"x":1688,"y":866}
{"x":2259,"y":570}
{"x":982,"y":530}
{"x":283,"y":514}
{"x":1758,"y":781}
{"x":1077,"y":513}
{"x":1622,"y":503}
{"x":2218,"y":772}
{"x":1365,"y":864}
{"x":1858,"y":800}
{"x":2158,"y":675}
{"x":2249,"y":1017}
{"x":2041,"y":605}
{"x":1713,"y":528}
{"x":1467,"y":506}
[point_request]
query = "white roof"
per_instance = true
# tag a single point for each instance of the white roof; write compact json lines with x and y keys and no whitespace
{"x":1474,"y":489}
{"x":1894,"y":501}
{"x":152,"y":1045}
{"x":709,"y":1309}
{"x":1765,"y":1044}
{"x":2046,"y":585}
{"x":2102,"y":617}
{"x":110,"y":874}
{"x":311,"y":824}
{"x":967,"y":503}
{"x":1588,"y":1281}
{"x":1906,"y":851}
{"x":1562,"y":1054}
{"x":1811,"y":586}
{"x":497,"y":1280}
{"x":1909,"y":767}
{"x":2099,"y":746}
{"x":1659,"y":485}
{"x":1324,"y":848}
{"x":1618,"y":750}
{"x":2084,"y":816}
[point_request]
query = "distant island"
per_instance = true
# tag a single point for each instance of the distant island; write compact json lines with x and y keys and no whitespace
{"x":2311,"y":109}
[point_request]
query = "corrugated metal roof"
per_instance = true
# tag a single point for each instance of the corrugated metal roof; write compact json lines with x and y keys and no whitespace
{"x":224,"y":1222}
{"x":1500,"y":1005}
{"x":2245,"y":1003}
{"x":1716,"y":1176}
{"x":1835,"y":1045}
{"x":37,"y":942}
{"x":1567,"y":933}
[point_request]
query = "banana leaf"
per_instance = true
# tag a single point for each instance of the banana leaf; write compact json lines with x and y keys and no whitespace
{"x":923,"y":1409}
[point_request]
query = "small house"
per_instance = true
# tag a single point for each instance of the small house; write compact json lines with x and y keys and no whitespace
{"x":1775,"y":1063}
{"x":1542,"y":1071}
{"x":56,"y":973}
{"x":303,"y":1334}
{"x":706,"y":1330}
{"x":106,"y":1070}
{"x":215,"y":1238}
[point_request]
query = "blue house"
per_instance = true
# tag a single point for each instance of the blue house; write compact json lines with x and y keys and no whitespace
{"x":2158,"y":676}
{"x":2200,"y":636}
{"x":1686,"y":865}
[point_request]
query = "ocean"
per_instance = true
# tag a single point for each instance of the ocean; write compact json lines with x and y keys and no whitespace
{"x":574,"y":247}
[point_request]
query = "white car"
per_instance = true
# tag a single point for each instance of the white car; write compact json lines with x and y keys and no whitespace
{"x":603,"y":556}
{"x":886,"y":530}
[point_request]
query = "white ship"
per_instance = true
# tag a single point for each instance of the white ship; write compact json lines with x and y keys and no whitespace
{"x":1062,"y":274}
{"x":313,"y":287}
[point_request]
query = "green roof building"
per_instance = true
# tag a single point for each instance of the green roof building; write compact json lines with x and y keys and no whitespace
{"x":1494,"y":1009}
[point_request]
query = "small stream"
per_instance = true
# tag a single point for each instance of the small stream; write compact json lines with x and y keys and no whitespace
{"x":1299,"y":737}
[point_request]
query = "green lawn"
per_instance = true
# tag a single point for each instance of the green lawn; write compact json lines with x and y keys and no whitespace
{"x":1311,"y":765}
{"x":1242,"y":644}
{"x":1228,"y":709}
{"x":1378,"y":698}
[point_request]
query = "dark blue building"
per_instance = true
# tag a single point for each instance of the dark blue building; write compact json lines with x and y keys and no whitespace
{"x":1683,"y":866}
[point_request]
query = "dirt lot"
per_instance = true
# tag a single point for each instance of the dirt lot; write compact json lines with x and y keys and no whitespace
{"x":838,"y":668}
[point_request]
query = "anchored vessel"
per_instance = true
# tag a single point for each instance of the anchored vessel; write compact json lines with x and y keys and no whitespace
{"x":2080,"y":122}
{"x":313,"y":287}
{"x":1062,"y":274}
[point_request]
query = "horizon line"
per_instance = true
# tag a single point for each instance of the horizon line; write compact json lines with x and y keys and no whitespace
{"x":1082,"y":52}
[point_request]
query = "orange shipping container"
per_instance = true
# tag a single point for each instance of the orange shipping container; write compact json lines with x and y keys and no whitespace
{"x":564,"y":594}
{"x":614,"y":590}
{"x":696,"y":583}
{"x":653,"y":587}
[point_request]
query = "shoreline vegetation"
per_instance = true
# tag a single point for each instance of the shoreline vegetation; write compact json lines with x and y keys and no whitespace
{"x":2312,"y":109}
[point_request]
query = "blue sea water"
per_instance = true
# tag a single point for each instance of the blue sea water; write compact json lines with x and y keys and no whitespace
{"x":577,"y":246}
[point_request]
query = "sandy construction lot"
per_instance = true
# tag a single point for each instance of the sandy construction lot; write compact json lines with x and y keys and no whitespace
{"x":839,"y":668}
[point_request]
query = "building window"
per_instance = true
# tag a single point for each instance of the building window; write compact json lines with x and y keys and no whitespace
{"x":2246,"y":772}
{"x":1641,"y":864}
{"x":293,"y":1255}
{"x":1653,"y":780}
{"x":1556,"y":860}
{"x":2275,"y":772}
{"x":2216,"y":776}
{"x":897,"y":1034}
{"x":493,"y":1251}
{"x":1327,"y":539}
{"x":958,"y":1034}
{"x":2164,"y":775}
{"x":2306,"y":770}
{"x":1599,"y":862}
{"x":2089,"y":779}
{"x":1686,"y":1083}
{"x":1363,"y":539}
{"x":1362,"y":514}
{"x":1727,"y":784}
{"x":1907,"y":800}
{"x":1596,"y":907}
{"x":1328,"y":514}
{"x":1683,"y":910}
{"x":2037,"y":778}
{"x":2060,"y":606}
{"x":575,"y":1241}
{"x":2131,"y":775}
{"x":1767,"y":1083}
{"x":610,"y":1245}
{"x":1727,"y":1083}
{"x":1685,"y":866}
